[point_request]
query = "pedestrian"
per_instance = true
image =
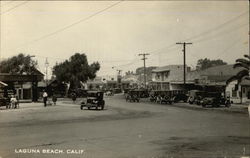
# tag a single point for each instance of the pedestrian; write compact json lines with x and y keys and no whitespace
{"x":54,"y":99}
{"x":73,"y":96}
{"x":45,"y":96}
{"x":13,"y":101}
{"x":17,"y":102}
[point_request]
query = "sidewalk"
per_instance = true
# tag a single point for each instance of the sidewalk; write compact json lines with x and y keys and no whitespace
{"x":234,"y":108}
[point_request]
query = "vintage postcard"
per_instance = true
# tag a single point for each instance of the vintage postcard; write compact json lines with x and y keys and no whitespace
{"x":124,"y":79}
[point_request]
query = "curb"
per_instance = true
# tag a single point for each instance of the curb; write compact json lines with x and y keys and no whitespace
{"x":200,"y":108}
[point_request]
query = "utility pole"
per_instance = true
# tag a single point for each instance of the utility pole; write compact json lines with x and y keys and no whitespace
{"x":119,"y":77}
{"x":144,"y":66}
{"x":184,"y":61}
{"x":46,"y":71}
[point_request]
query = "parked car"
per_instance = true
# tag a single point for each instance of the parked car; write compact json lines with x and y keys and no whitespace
{"x":195,"y":96}
{"x":180,"y":95}
{"x":133,"y":96}
{"x":215,"y":99}
{"x":94,"y":100}
{"x":4,"y":101}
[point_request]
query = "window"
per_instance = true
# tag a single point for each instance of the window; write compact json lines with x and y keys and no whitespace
{"x":166,"y":74}
{"x":234,"y":93}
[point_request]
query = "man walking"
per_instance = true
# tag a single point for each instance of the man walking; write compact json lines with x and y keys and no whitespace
{"x":45,"y":96}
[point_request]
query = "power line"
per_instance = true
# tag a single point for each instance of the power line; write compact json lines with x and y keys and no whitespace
{"x":221,"y":33}
{"x":7,"y":3}
{"x":217,"y":27}
{"x":73,"y":24}
{"x":20,"y":4}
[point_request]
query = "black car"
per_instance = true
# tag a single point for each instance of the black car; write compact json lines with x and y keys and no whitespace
{"x":94,"y":100}
{"x":5,"y":102}
{"x":195,"y":96}
{"x":215,"y":99}
{"x":5,"y":98}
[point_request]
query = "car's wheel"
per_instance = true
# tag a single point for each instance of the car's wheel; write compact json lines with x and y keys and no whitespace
{"x":190,"y":102}
{"x":88,"y":108}
{"x":81,"y":107}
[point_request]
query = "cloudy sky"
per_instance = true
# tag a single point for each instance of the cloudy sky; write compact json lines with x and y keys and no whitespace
{"x":115,"y":32}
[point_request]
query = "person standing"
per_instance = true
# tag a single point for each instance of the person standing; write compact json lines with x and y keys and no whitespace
{"x":54,"y":99}
{"x":45,"y":96}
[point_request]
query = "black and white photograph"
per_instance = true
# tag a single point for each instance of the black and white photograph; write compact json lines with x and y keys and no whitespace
{"x":124,"y":79}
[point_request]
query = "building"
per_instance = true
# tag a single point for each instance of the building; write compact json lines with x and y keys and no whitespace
{"x":25,"y":86}
{"x":105,"y":83}
{"x":170,"y":77}
{"x":239,"y":93}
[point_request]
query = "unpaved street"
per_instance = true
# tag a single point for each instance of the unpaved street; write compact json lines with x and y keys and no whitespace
{"x":122,"y":130}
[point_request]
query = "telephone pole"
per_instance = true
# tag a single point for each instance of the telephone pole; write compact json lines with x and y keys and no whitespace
{"x":184,"y":61}
{"x":46,"y":66}
{"x":144,"y":66}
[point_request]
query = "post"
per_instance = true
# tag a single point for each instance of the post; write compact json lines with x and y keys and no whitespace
{"x":144,"y":66}
{"x":184,"y":62}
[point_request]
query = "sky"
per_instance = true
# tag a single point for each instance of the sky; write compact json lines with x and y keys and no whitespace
{"x":115,"y":32}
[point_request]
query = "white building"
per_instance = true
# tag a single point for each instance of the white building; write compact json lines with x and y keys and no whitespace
{"x":239,"y":93}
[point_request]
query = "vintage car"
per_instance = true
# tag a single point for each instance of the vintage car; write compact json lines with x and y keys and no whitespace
{"x":4,"y":101}
{"x":133,"y":96}
{"x":180,"y":95}
{"x":161,"y":96}
{"x":5,"y":96}
{"x":215,"y":99}
{"x":152,"y":96}
{"x":94,"y":100}
{"x":195,"y":96}
{"x":166,"y":97}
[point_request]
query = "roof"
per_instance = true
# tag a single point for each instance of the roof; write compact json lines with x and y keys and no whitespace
{"x":245,"y":82}
{"x":167,"y":68}
{"x":222,"y":70}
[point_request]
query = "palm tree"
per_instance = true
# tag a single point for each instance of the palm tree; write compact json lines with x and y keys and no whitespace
{"x":244,"y":65}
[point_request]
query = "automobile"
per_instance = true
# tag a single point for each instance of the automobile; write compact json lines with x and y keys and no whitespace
{"x":215,"y":99}
{"x":166,"y":97}
{"x":195,"y":96}
{"x":5,"y":101}
{"x":180,"y":95}
{"x":153,"y":96}
{"x":133,"y":96}
{"x":94,"y":100}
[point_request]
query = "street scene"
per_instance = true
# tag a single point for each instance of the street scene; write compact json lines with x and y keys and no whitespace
{"x":124,"y":79}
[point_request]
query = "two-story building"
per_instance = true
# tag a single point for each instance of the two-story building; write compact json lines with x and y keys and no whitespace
{"x":171,"y":77}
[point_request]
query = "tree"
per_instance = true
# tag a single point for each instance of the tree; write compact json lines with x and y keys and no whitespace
{"x":243,"y":64}
{"x":206,"y":63}
{"x":75,"y":69}
{"x":19,"y":64}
